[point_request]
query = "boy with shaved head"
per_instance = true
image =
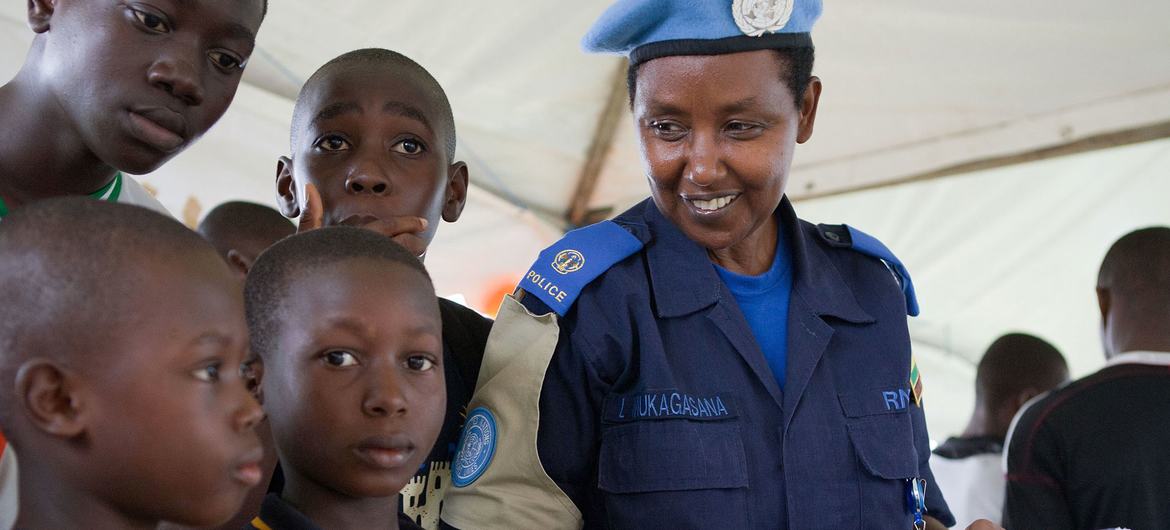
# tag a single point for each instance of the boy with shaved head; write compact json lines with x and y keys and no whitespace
{"x":373,"y":146}
{"x":347,"y":328}
{"x":111,"y":87}
{"x":241,"y":230}
{"x":969,"y":468}
{"x":122,"y":370}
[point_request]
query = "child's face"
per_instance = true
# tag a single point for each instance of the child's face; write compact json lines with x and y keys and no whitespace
{"x":172,"y":436}
{"x":141,"y":80}
{"x":355,"y":393}
{"x":373,"y":145}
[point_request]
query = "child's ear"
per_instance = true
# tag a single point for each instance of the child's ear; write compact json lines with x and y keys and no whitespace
{"x":39,"y":13}
{"x":286,"y":189}
{"x":51,"y":397}
{"x":456,"y":195}
{"x":254,"y":377}
{"x":239,"y":262}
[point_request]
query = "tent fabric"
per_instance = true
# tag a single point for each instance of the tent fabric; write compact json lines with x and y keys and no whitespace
{"x":1011,"y":249}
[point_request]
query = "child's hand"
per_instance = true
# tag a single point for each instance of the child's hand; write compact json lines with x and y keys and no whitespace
{"x":313,"y":212}
{"x":406,"y":230}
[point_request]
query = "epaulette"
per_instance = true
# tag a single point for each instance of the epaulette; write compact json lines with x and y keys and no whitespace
{"x":565,"y":268}
{"x":845,"y":236}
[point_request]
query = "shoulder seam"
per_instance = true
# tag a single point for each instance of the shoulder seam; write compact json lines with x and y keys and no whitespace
{"x":1058,"y":399}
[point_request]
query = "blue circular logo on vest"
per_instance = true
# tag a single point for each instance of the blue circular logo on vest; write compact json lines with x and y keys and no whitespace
{"x":477,"y":445}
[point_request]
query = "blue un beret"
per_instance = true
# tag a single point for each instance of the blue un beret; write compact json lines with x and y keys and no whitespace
{"x":649,"y":29}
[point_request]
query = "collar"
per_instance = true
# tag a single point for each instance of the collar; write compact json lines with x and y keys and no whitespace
{"x":684,"y":280}
{"x":110,"y":193}
{"x":1156,"y":358}
{"x":275,"y":514}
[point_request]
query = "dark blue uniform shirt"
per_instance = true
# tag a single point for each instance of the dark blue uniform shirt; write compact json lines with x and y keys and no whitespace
{"x":659,"y":410}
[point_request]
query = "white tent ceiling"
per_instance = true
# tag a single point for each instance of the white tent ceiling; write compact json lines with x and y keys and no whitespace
{"x":913,"y":91}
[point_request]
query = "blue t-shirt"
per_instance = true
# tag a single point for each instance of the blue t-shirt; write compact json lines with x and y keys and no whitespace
{"x":763,"y":300}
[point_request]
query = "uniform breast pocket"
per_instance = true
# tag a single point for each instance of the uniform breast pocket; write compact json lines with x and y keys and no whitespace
{"x":882,"y":436}
{"x":674,"y":473}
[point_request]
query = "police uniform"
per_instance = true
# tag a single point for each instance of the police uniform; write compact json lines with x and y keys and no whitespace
{"x":625,"y":386}
{"x":625,"y":390}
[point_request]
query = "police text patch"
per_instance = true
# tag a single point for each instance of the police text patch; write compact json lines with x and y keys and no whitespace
{"x":563,"y":269}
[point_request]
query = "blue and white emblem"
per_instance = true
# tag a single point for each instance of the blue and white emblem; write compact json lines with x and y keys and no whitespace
{"x":477,"y":445}
{"x":756,"y":17}
{"x":568,"y":260}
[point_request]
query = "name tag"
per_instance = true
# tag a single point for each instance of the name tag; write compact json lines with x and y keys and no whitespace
{"x":668,"y":404}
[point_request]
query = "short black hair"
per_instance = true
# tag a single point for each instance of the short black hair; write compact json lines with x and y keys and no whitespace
{"x":270,"y":279}
{"x":68,"y":270}
{"x":237,"y":223}
{"x":1140,"y":260}
{"x":1136,"y":269}
{"x":381,"y":58}
{"x":1015,"y":363}
{"x":796,"y":62}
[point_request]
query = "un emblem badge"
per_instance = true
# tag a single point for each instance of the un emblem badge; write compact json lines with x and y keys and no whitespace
{"x":754,"y":17}
{"x":567,"y":261}
{"x":477,"y":445}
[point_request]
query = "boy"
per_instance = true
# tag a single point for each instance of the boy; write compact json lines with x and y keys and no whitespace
{"x":373,"y":145}
{"x":110,"y":86}
{"x":121,"y":370}
{"x":240,"y":231}
{"x":347,"y":327}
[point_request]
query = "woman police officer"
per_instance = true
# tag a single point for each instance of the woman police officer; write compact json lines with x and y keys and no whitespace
{"x":706,"y":359}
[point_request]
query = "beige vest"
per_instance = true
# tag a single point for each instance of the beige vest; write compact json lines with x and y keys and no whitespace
{"x":513,"y":491}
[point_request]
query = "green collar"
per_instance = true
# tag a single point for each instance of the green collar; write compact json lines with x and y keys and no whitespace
{"x":110,"y":192}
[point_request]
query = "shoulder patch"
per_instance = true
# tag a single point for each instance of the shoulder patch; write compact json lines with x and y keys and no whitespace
{"x":845,"y":236}
{"x":477,"y":446}
{"x":565,"y":268}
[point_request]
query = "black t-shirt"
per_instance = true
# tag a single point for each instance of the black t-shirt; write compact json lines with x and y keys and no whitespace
{"x":1094,"y":454}
{"x":465,"y":335}
{"x":275,"y":514}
